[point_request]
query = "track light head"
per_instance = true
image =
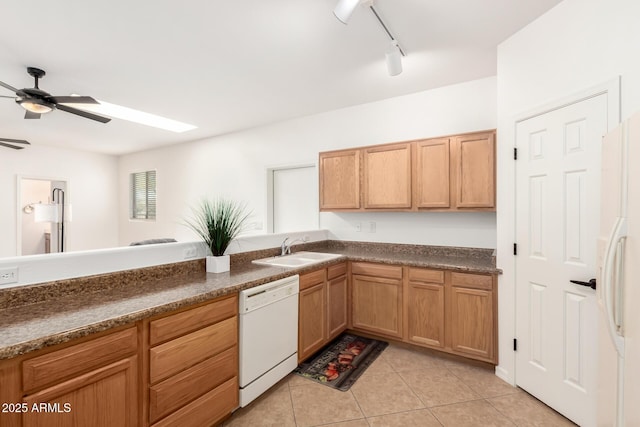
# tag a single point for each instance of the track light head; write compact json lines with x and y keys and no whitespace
{"x":344,"y":9}
{"x":394,"y":59}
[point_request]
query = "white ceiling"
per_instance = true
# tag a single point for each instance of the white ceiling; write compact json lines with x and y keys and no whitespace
{"x":230,"y":65}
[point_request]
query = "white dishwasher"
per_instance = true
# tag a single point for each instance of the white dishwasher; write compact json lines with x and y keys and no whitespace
{"x":268,"y":335}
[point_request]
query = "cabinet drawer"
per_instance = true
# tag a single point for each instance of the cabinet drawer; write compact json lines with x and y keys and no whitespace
{"x":309,"y":279}
{"x":181,"y":353}
{"x":178,"y":390}
{"x":376,"y":270}
{"x":207,"y":410}
{"x":476,"y":281}
{"x":336,"y":270}
{"x":426,"y":275}
{"x":71,"y":361}
{"x":188,"y":321}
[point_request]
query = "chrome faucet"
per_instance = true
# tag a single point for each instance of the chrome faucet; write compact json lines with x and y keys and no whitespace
{"x":286,"y":248}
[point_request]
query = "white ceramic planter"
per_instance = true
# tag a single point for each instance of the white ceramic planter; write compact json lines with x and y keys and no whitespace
{"x":218,"y":264}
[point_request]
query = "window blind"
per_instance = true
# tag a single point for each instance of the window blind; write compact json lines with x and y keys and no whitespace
{"x":143,"y":195}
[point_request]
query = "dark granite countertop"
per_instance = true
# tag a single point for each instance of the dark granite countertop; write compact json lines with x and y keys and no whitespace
{"x":39,"y":316}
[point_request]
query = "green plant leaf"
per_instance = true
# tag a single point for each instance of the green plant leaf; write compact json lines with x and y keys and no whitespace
{"x":218,"y":222}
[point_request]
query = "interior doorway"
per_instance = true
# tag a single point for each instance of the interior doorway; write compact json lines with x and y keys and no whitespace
{"x":35,"y":236}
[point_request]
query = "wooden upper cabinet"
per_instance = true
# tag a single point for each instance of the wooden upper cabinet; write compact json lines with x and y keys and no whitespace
{"x":339,"y":180}
{"x":474,"y":166}
{"x":454,"y":173}
{"x":431,"y":177}
{"x":387,"y":177}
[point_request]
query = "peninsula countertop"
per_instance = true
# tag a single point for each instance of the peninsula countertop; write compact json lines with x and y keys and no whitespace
{"x":38,"y":316}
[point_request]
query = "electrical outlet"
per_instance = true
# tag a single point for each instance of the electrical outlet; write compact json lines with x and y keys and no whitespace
{"x":372,"y":226}
{"x":305,"y":238}
{"x":358,"y":227}
{"x":8,"y":275}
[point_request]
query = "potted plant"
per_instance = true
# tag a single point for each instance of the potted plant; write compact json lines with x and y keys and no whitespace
{"x":218,"y":222}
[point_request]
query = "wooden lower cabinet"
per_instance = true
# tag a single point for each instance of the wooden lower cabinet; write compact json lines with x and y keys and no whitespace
{"x":449,"y":311}
{"x":452,"y":311}
{"x":193,"y":366}
{"x":322,"y":308}
{"x":312,"y":320}
{"x":377,"y":299}
{"x":473,"y":316}
{"x":337,"y":306}
{"x":207,"y":410}
{"x":93,"y":381}
{"x":104,"y":397}
{"x":426,"y":308}
{"x":177,"y":369}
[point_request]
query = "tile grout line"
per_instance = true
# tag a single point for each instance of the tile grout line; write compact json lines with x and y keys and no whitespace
{"x":502,"y":413}
{"x":293,"y":411}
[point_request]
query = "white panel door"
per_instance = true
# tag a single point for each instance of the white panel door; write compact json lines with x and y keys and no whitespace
{"x":295,"y":199}
{"x":557,"y":220}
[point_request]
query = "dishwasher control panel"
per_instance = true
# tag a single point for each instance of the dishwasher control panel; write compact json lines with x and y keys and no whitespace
{"x":260,"y":296}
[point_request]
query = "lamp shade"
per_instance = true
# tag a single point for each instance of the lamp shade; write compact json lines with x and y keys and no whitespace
{"x":46,"y":212}
{"x":394,"y":59}
{"x":344,"y":9}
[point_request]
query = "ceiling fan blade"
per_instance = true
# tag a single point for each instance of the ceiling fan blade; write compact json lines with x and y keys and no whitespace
{"x":11,"y":88}
{"x":72,"y":100}
{"x":15,"y":141}
{"x":83,"y":113}
{"x":30,"y":115}
{"x":15,"y":147}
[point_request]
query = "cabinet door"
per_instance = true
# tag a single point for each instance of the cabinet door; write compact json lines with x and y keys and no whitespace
{"x":472,"y":322}
{"x":377,"y":305}
{"x":387,"y":177}
{"x":312,"y":321}
{"x":426,"y":314}
{"x":105,"y":397}
{"x":474,"y":162}
{"x":339,"y":180}
{"x":337,"y":306}
{"x":431,"y":178}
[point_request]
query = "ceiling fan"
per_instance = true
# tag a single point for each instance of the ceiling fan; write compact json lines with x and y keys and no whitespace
{"x":4,"y":141}
{"x":37,"y":102}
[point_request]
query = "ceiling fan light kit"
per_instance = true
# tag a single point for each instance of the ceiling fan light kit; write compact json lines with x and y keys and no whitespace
{"x":36,"y":106}
{"x":36,"y":101}
{"x":343,"y":11}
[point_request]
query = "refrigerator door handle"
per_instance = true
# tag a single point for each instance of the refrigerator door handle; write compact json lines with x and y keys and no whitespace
{"x":609,"y":285}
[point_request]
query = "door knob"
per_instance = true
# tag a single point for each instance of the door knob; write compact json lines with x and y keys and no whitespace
{"x":591,"y":283}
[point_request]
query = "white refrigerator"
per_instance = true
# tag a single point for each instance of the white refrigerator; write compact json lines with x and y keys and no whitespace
{"x":618,"y":288}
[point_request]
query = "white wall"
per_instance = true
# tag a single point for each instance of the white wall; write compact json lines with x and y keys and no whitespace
{"x":577,"y":45}
{"x":91,"y":180}
{"x":236,"y":164}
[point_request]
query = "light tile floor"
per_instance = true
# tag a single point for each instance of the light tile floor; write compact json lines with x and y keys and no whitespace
{"x":403,"y":387}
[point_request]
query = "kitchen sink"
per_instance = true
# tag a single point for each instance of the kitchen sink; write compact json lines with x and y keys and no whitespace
{"x":298,"y":259}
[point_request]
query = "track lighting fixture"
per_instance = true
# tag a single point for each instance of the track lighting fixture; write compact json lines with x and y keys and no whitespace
{"x":343,"y":11}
